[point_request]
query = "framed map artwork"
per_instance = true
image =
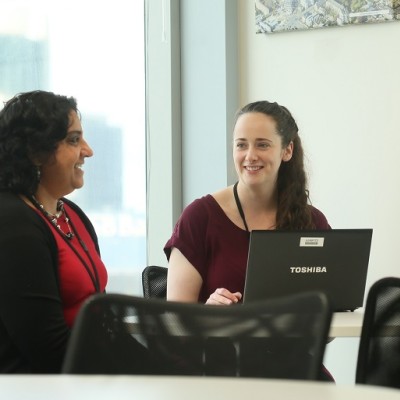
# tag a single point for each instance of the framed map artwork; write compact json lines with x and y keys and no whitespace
{"x":290,"y":15}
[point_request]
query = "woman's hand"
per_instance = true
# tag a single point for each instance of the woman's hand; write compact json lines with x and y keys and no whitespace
{"x":223,"y":297}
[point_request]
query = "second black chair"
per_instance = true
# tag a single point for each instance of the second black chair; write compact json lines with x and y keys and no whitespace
{"x":120,"y":334}
{"x":154,"y":281}
{"x":378,"y":360}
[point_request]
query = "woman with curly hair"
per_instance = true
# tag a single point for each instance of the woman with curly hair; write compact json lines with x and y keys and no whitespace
{"x":50,"y":260}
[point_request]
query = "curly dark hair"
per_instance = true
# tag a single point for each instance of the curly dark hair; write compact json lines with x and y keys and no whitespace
{"x":31,"y":126}
{"x":294,"y":211}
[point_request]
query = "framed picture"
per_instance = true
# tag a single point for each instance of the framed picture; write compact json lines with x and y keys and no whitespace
{"x":290,"y":15}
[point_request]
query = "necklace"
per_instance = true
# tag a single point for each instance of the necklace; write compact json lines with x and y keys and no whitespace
{"x":239,"y":206}
{"x":94,"y":276}
{"x":53,"y":218}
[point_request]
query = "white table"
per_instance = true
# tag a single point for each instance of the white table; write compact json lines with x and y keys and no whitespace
{"x":344,"y":324}
{"x":64,"y":387}
{"x":347,"y":324}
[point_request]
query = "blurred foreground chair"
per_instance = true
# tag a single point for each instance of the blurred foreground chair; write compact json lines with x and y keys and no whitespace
{"x":378,"y":361}
{"x":121,"y":334}
{"x":154,"y":281}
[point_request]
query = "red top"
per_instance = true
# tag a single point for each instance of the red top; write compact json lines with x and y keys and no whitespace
{"x":215,"y":246}
{"x":76,"y":284}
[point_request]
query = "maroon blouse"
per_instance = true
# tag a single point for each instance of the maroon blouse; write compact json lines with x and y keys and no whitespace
{"x":215,"y":246}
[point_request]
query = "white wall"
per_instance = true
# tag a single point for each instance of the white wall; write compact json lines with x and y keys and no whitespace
{"x":342,"y":85}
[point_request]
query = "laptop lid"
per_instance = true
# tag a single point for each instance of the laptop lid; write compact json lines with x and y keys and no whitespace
{"x":334,"y":261}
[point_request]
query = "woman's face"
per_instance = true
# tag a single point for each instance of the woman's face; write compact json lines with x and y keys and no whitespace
{"x":63,"y":173}
{"x":257,"y":149}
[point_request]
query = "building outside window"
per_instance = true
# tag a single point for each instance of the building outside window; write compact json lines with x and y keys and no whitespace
{"x":93,"y":51}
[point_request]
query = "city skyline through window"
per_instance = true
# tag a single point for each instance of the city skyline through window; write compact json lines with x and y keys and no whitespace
{"x":94,"y":52}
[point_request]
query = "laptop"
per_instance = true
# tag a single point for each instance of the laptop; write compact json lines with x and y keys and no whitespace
{"x":334,"y":261}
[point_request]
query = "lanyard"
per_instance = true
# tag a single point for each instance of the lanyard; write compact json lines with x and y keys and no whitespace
{"x":239,"y":206}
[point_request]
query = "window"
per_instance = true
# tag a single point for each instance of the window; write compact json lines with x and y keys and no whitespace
{"x":93,"y":51}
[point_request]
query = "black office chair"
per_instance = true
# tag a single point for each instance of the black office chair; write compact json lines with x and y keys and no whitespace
{"x":154,"y":281}
{"x":378,"y":361}
{"x":120,"y":334}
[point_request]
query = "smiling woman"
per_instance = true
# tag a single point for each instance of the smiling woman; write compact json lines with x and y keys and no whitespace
{"x":50,"y":255}
{"x":208,"y":249}
{"x":67,"y":164}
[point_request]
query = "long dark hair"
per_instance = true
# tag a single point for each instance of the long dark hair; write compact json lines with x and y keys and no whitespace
{"x":294,"y":211}
{"x":31,"y":126}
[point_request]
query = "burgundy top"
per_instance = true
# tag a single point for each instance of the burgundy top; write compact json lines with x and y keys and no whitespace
{"x":215,"y":246}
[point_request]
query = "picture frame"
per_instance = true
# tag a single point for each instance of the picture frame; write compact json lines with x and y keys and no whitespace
{"x":291,"y":15}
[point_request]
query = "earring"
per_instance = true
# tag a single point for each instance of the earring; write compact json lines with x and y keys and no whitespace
{"x":38,"y":173}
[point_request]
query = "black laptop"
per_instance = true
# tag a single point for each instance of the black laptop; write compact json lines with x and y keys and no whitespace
{"x":286,"y":262}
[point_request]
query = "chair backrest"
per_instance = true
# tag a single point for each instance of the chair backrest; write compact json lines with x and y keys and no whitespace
{"x":154,"y":282}
{"x":121,"y":334}
{"x":378,"y":361}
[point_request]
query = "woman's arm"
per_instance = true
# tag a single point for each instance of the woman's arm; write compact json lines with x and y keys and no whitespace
{"x":184,"y":283}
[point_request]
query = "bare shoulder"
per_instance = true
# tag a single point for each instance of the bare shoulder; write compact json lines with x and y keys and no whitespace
{"x":224,"y":198}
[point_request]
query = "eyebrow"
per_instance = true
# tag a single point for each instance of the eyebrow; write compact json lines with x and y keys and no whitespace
{"x":257,"y":140}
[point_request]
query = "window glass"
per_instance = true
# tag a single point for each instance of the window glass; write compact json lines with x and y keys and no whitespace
{"x":93,"y":51}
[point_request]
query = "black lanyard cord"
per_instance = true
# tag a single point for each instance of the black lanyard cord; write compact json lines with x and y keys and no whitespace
{"x":95,"y":278}
{"x":239,"y":206}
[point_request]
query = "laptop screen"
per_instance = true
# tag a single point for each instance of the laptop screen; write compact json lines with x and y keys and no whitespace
{"x":286,"y":262}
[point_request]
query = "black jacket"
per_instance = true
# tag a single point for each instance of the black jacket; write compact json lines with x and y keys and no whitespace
{"x":33,"y":333}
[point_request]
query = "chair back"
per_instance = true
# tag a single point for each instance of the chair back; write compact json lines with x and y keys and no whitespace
{"x":154,"y":282}
{"x":378,"y":361}
{"x":121,"y":334}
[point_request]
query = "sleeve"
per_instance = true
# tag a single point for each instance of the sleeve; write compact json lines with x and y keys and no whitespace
{"x":189,"y":235}
{"x":30,"y":305}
